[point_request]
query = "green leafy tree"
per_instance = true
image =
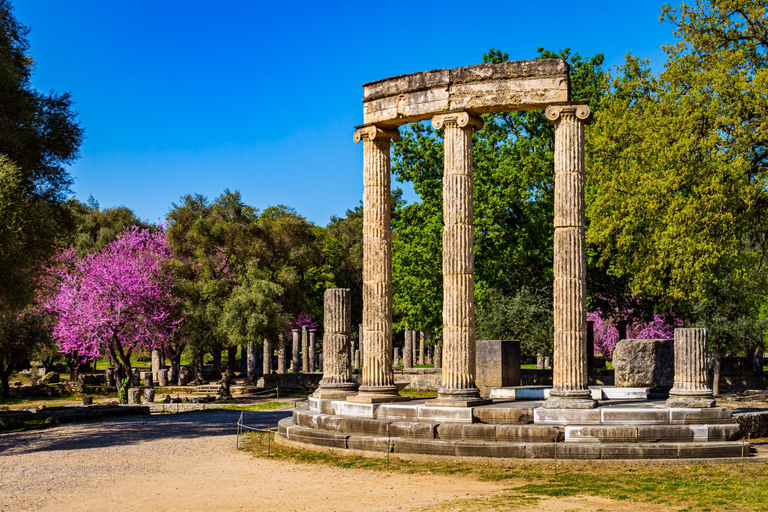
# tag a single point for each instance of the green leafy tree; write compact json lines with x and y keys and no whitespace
{"x":93,"y":227}
{"x":677,"y":170}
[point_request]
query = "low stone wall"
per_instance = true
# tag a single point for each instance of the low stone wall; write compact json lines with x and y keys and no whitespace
{"x":15,"y":420}
{"x":753,"y":424}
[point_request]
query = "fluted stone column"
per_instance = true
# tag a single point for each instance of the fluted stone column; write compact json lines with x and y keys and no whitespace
{"x":421,"y":347}
{"x":337,"y":372}
{"x":458,"y":384}
{"x":296,"y":359}
{"x":312,"y":350}
{"x":570,"y":385}
{"x":378,"y":383}
{"x":414,"y":347}
{"x":251,"y":361}
{"x":356,"y":359}
{"x":156,"y":364}
{"x":439,"y":357}
{"x":267,"y":362}
{"x":281,"y":354}
{"x":305,"y":349}
{"x":691,"y":388}
{"x":396,"y":358}
{"x":408,"y":350}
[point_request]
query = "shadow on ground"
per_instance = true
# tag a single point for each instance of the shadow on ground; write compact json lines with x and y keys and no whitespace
{"x":135,"y":429}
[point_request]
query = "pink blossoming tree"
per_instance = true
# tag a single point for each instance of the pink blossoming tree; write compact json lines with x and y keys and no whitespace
{"x":116,"y":300}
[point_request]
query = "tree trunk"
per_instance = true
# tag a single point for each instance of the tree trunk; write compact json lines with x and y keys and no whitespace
{"x":232,"y":359}
{"x":216,"y":361}
{"x":199,"y":368}
{"x":718,"y":370}
{"x":174,"y":354}
{"x":5,"y":389}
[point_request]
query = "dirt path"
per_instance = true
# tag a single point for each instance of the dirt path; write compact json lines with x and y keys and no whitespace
{"x":188,"y":462}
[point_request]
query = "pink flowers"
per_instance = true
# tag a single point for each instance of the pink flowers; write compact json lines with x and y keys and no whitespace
{"x":116,"y":300}
{"x":607,"y":332}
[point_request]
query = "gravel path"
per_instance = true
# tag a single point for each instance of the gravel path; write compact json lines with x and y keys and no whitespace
{"x":188,"y":462}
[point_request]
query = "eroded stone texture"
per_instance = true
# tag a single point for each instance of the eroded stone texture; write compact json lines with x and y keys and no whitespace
{"x":478,"y":89}
{"x":396,"y":358}
{"x":296,"y":359}
{"x":421,"y":347}
{"x":149,"y":395}
{"x":458,"y":386}
{"x":439,"y":357}
{"x":337,"y":375}
{"x":691,"y":388}
{"x":377,"y":376}
{"x":156,"y":364}
{"x":162,"y":378}
{"x":281,"y":354}
{"x":644,"y":363}
{"x":134,"y":396}
{"x":570,"y":310}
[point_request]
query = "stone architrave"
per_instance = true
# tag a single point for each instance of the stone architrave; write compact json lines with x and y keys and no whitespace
{"x":337,"y":371}
{"x":305,"y":349}
{"x":312,"y":349}
{"x":296,"y":360}
{"x":691,"y":388}
{"x":162,"y":378}
{"x":458,"y":387}
{"x":155,"y":364}
{"x":644,"y":363}
{"x":408,"y":351}
{"x":422,"y":342}
{"x":570,"y":376}
{"x":438,"y":357}
{"x":378,"y":382}
{"x":251,"y":361}
{"x":281,"y":349}
{"x":266,"y":365}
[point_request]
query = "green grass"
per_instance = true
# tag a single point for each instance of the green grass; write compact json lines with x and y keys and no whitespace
{"x":687,"y":487}
{"x":265,"y":406}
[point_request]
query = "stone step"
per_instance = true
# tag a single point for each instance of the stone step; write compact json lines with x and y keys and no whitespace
{"x":288,"y":430}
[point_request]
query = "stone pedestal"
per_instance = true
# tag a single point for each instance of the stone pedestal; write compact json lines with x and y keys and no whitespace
{"x":644,"y":363}
{"x":570,"y":382}
{"x":498,"y":364}
{"x":458,"y":384}
{"x":162,"y":378}
{"x":281,"y":357}
{"x":295,"y":361}
{"x":134,"y":396}
{"x":305,"y":349}
{"x":691,"y":388}
{"x":337,"y":372}
{"x":266,"y":364}
{"x":378,"y":383}
{"x":149,"y":395}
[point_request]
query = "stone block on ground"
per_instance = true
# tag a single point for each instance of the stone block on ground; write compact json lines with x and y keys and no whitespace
{"x":497,"y":364}
{"x":644,"y":363}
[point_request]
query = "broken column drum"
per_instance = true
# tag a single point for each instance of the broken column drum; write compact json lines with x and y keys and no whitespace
{"x":281,"y":354}
{"x":691,"y":388}
{"x":337,"y":371}
{"x":570,"y":374}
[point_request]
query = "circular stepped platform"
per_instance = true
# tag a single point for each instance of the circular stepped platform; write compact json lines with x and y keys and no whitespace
{"x":641,"y":430}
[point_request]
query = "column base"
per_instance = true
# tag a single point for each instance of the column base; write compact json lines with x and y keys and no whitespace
{"x":377,"y":395}
{"x":693,"y":401}
{"x":570,"y":399}
{"x":458,"y":398}
{"x":330,"y":392}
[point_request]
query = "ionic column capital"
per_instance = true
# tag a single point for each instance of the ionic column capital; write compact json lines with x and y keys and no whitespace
{"x":580,"y":110}
{"x":372,"y":132}
{"x":461,"y":119}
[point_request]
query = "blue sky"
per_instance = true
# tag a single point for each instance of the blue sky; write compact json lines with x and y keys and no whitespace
{"x":195,"y":97}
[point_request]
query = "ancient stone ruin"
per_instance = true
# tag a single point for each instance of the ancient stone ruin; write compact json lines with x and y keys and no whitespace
{"x":567,"y":423}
